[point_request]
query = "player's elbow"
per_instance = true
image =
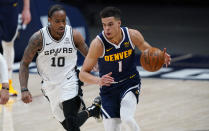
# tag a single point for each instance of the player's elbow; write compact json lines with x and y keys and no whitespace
{"x":81,"y":75}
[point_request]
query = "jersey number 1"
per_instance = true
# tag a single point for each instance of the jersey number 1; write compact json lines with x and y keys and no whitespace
{"x":120,"y":66}
{"x":60,"y":61}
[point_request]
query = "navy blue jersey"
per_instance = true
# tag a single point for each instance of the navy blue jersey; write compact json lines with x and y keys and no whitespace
{"x":8,"y":20}
{"x":120,"y":60}
{"x":7,"y":1}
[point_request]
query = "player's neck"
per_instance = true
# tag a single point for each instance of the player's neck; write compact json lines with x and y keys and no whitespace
{"x":118,"y":38}
{"x":54,"y":35}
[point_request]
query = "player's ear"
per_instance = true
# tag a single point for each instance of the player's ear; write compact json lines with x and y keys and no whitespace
{"x":119,"y":22}
{"x":49,"y":19}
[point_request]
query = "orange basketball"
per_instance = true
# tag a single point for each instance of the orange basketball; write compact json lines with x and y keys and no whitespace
{"x":152,"y":59}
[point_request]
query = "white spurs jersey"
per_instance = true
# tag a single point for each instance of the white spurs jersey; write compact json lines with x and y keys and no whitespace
{"x":57,"y":59}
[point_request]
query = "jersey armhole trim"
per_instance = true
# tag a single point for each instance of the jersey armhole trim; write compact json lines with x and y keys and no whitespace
{"x":133,"y":46}
{"x":103,"y":47}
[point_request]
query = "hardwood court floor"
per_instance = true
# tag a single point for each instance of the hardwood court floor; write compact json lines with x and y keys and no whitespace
{"x":165,"y":105}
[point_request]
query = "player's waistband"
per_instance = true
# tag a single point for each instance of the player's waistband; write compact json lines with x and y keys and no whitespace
{"x":127,"y":78}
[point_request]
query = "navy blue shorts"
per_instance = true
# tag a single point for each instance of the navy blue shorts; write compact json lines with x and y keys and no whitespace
{"x":111,"y":100}
{"x":8,"y":21}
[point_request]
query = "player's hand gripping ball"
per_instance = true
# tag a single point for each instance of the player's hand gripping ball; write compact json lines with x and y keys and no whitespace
{"x":152,"y":59}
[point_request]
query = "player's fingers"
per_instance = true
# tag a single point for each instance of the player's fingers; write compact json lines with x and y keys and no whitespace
{"x":30,"y":98}
{"x":26,"y":17}
{"x":107,"y":82}
{"x":164,"y":50}
{"x":107,"y":77}
{"x":1,"y":101}
{"x":26,"y":21}
{"x":109,"y":74}
{"x":4,"y":100}
{"x":25,"y":100}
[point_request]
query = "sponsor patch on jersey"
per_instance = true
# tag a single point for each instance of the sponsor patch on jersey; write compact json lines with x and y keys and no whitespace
{"x":67,"y":41}
{"x":126,"y":44}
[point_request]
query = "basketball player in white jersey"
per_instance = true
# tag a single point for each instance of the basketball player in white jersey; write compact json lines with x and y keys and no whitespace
{"x":57,"y":45}
{"x":4,"y":92}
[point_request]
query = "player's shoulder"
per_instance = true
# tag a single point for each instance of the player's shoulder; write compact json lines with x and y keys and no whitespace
{"x":135,"y":34}
{"x":96,"y":48}
{"x":36,"y":37}
{"x":133,"y":31}
{"x":37,"y":34}
{"x":96,"y":42}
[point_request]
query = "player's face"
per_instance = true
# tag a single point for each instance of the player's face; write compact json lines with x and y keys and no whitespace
{"x":111,"y":26}
{"x":58,"y":22}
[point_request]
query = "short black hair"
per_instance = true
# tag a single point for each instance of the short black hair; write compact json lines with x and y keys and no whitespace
{"x":110,"y":11}
{"x":55,"y":8}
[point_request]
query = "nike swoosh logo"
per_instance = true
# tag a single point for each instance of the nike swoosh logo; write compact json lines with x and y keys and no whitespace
{"x":48,"y":43}
{"x":68,"y":78}
{"x":109,"y":49}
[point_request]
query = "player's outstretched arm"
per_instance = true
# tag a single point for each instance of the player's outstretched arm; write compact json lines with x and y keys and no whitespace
{"x":35,"y":44}
{"x":141,"y":44}
{"x":80,"y":42}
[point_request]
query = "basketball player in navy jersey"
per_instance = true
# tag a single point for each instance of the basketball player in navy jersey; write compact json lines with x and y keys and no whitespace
{"x":8,"y":32}
{"x":119,"y":79}
{"x":57,"y":45}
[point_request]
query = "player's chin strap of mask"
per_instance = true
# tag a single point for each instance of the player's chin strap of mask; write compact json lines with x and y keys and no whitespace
{"x":130,"y":77}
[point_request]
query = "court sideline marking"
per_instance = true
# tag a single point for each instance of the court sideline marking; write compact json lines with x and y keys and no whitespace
{"x":7,"y":119}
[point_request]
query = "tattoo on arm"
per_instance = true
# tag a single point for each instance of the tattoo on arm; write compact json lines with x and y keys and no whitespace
{"x":83,"y":48}
{"x":80,"y":43}
{"x":35,"y":43}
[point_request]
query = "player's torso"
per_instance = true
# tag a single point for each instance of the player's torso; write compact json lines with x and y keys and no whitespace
{"x":57,"y":59}
{"x":118,"y":59}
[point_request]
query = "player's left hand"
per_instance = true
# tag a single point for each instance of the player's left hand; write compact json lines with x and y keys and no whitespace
{"x":106,"y":80}
{"x":26,"y":97}
{"x":167,"y":58}
{"x":26,"y":16}
{"x":4,"y":96}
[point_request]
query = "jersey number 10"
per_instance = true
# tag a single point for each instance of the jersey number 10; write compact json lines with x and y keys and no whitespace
{"x":59,"y":61}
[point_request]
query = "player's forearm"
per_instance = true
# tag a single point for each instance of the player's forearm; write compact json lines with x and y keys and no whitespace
{"x":84,"y":49}
{"x":23,"y":75}
{"x":145,"y":46}
{"x":88,"y":78}
{"x":26,"y":5}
